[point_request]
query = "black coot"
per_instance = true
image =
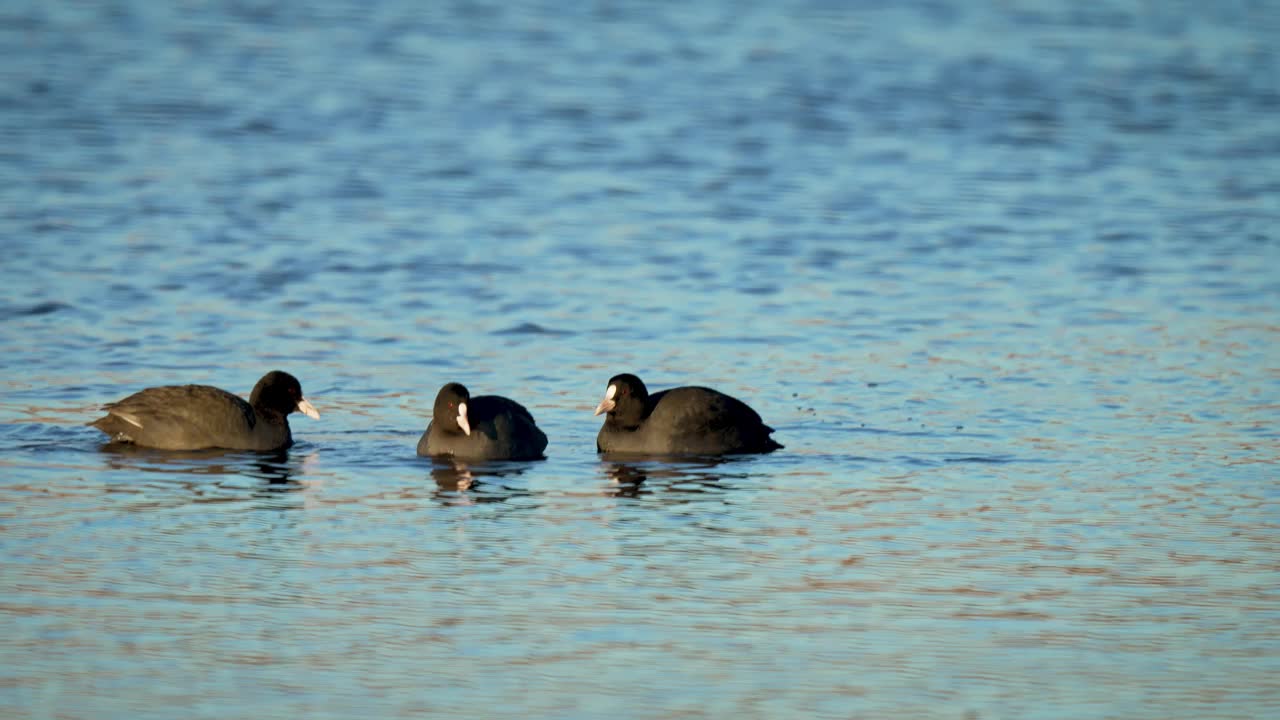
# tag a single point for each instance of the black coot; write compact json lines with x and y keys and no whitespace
{"x":488,"y":427}
{"x":679,"y":421}
{"x":196,"y":417}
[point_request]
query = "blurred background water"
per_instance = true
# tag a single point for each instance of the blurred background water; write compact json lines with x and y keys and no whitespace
{"x":1002,"y":275}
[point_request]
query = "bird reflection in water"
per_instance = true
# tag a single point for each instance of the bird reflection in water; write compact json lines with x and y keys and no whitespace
{"x":466,"y":483}
{"x":277,"y":472}
{"x":275,"y":469}
{"x":454,"y":475}
{"x":627,"y":480}
{"x":634,"y":477}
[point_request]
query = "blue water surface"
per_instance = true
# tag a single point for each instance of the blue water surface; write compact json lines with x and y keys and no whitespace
{"x":1003,"y":276}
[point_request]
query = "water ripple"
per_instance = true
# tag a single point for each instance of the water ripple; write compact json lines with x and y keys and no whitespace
{"x":1009,"y":304}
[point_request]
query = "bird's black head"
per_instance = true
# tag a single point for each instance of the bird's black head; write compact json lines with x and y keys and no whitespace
{"x":450,"y":411}
{"x":624,"y":399}
{"x":281,"y":392}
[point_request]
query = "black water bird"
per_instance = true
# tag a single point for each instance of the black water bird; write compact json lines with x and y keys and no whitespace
{"x":486,"y":427}
{"x":196,"y":417}
{"x":679,"y":421}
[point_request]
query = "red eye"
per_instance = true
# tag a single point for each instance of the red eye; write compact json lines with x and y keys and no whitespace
{"x":450,"y":404}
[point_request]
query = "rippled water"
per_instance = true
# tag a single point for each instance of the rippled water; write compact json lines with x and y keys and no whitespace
{"x":1003,"y":279}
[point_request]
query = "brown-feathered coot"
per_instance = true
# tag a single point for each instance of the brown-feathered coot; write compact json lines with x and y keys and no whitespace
{"x":195,"y":417}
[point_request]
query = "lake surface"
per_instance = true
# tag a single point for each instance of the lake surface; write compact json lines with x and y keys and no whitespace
{"x":1004,"y":279}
